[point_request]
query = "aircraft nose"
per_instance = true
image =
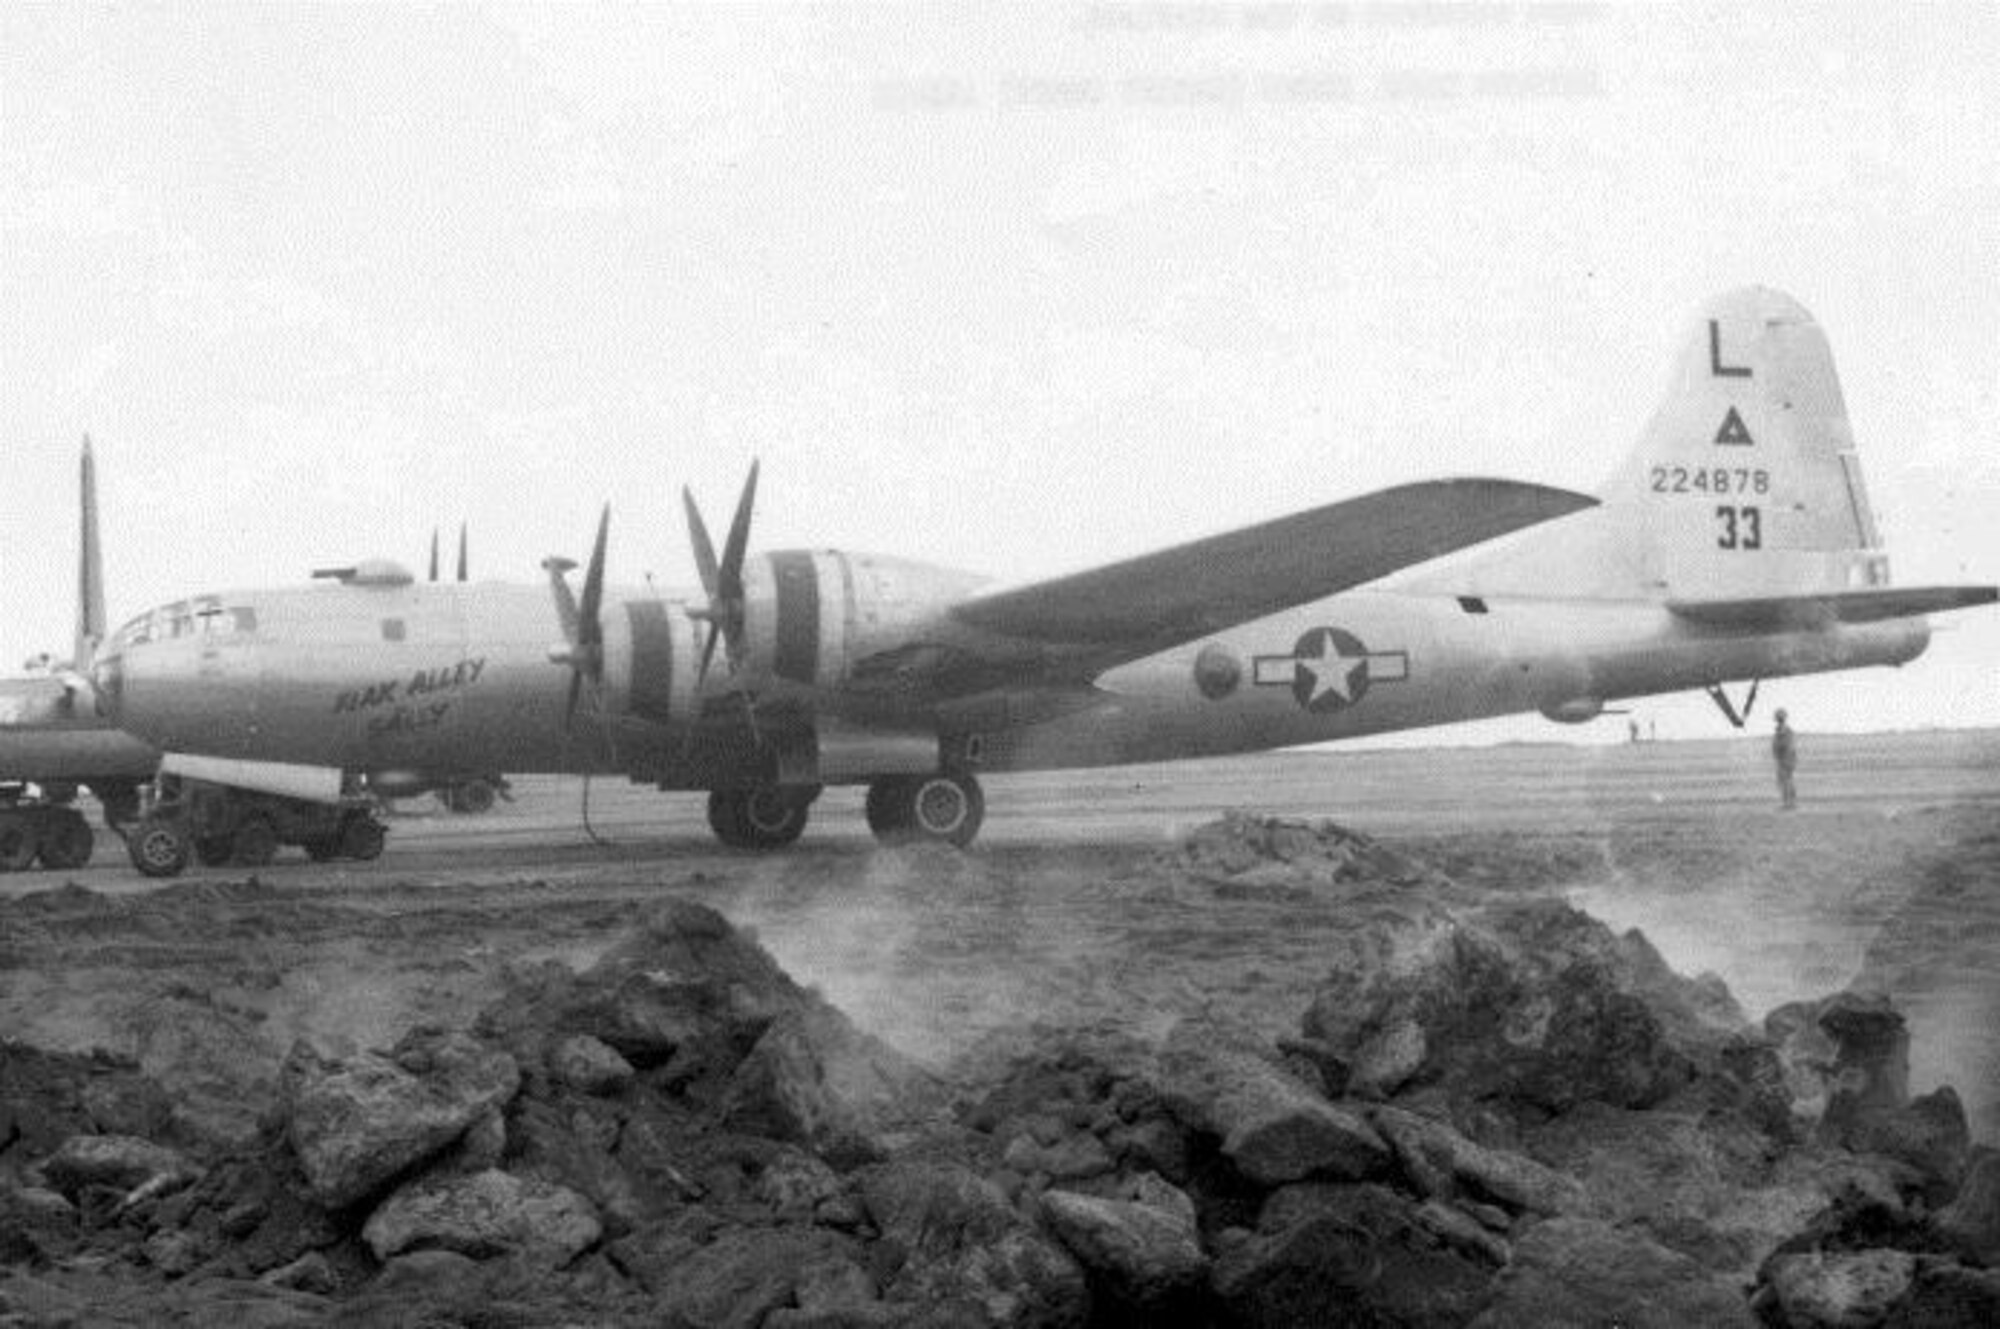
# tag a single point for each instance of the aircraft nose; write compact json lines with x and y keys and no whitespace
{"x":107,"y":679}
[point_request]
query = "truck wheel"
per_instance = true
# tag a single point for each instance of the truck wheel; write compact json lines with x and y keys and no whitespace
{"x":255,"y":843}
{"x":160,"y":847}
{"x":362,"y":838}
{"x":17,"y":841}
{"x":471,"y":797}
{"x":67,"y":841}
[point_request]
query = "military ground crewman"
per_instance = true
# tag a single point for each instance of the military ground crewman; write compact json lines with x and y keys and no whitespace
{"x":1785,"y":756}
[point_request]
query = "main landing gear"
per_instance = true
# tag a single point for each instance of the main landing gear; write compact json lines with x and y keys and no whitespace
{"x":764,"y":816}
{"x":946,"y":807}
{"x":194,"y":821}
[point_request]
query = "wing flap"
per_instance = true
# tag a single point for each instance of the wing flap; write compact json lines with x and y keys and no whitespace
{"x":1807,"y":611}
{"x":1157,"y":600}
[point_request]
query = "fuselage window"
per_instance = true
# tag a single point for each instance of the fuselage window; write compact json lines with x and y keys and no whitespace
{"x":246,"y":618}
{"x":392,"y":629}
{"x":1472,"y":604}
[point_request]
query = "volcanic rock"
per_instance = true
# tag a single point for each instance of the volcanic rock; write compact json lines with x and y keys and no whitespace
{"x":1948,"y":1296}
{"x":1972,"y":1220}
{"x":1580,"y":1273}
{"x":1242,"y":845}
{"x":1273,"y":1128}
{"x":746,"y":1277}
{"x":969,"y":1257}
{"x":1839,"y":1290}
{"x":36,"y":1225}
{"x":357,"y":1123}
{"x":1346,"y":1255}
{"x":1440,"y":1161}
{"x":1529,"y":1003}
{"x":46,"y":1097}
{"x":1871,"y":1068}
{"x":122,"y":1162}
{"x":483,"y":1215}
{"x":815,"y":1080}
{"x":1146,"y":1248}
{"x":589,"y":1065}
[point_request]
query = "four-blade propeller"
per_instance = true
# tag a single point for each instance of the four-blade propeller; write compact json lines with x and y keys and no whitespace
{"x":582,"y":624}
{"x":724,"y":612}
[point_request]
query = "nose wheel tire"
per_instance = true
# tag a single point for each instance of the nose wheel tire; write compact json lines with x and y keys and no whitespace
{"x":160,"y":848}
{"x":761,"y":817}
{"x":947,"y":807}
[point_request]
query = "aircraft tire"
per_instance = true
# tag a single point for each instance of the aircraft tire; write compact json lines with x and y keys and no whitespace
{"x":160,"y":847}
{"x":17,"y":841}
{"x":470,"y":798}
{"x":67,"y":841}
{"x":763,"y":817}
{"x":362,"y":838}
{"x":947,"y":807}
{"x":254,"y":844}
{"x":322,"y":848}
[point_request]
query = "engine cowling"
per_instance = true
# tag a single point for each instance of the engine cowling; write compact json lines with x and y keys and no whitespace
{"x":651,"y":652}
{"x":809,"y":616}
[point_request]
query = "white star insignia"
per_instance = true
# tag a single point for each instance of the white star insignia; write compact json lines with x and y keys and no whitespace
{"x":1331,"y":671}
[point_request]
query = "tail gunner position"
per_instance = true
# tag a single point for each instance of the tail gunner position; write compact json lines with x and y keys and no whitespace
{"x":1735,"y":543}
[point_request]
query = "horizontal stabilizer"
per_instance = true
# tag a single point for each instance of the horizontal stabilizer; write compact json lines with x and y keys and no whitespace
{"x":1808,"y":611}
{"x":1162,"y":599}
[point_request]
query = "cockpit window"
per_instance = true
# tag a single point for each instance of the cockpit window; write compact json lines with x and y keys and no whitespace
{"x":203,"y":616}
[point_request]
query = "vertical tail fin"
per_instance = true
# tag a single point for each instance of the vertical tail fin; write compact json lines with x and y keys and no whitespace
{"x":1744,"y":484}
{"x":1746,"y":481}
{"x":90,"y":613}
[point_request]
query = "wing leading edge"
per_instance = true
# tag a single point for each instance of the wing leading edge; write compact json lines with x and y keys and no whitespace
{"x":1141,"y":605}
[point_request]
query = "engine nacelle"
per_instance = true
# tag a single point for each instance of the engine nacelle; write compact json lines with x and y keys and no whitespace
{"x":651,"y":652}
{"x":1574,"y":710}
{"x":810,"y":615}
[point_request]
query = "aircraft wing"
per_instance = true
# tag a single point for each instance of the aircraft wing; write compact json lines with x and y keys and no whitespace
{"x":1130,"y":609}
{"x":1814,"y":610}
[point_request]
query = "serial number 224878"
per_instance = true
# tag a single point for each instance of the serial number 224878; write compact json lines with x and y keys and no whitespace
{"x":1710,"y":480}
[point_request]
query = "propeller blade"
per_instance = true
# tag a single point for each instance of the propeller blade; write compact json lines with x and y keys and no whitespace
{"x":575,"y":690}
{"x":434,"y":553}
{"x":590,"y":631}
{"x":707,"y":655}
{"x":731,"y":576}
{"x":462,"y":565}
{"x":704,"y":549}
{"x":566,"y":611}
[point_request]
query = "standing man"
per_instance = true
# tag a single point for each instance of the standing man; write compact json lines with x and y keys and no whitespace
{"x":1785,"y":755}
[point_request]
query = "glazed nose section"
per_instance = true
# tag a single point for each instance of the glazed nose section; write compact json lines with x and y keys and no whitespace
{"x":107,"y":680}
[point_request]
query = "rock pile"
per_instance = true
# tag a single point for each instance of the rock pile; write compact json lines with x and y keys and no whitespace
{"x":1493,"y":1115}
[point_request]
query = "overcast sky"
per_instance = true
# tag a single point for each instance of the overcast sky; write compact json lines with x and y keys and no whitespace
{"x":1014,"y":288}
